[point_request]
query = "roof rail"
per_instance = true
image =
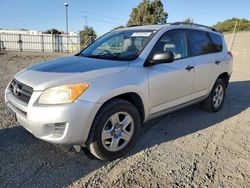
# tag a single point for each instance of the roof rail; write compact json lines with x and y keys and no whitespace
{"x":134,"y":25}
{"x":193,"y":24}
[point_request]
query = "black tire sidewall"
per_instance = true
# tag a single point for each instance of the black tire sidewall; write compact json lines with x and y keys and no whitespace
{"x":101,"y":118}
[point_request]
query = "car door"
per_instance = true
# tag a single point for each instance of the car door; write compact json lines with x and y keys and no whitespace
{"x":170,"y":84}
{"x":206,"y":62}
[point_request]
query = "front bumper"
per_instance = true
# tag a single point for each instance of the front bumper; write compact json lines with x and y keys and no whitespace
{"x":60,"y":124}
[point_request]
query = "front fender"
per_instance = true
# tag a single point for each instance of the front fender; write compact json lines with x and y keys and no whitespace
{"x":105,"y":88}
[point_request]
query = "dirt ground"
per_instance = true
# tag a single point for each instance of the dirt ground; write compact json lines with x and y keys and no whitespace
{"x":187,"y":148}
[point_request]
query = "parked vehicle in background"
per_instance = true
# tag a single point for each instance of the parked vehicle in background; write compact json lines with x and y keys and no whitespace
{"x":100,"y":97}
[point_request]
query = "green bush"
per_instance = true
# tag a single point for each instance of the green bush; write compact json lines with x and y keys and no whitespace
{"x":228,"y":25}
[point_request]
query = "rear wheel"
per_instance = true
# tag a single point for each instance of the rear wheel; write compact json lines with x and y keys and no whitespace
{"x":114,"y":130}
{"x":215,"y":100}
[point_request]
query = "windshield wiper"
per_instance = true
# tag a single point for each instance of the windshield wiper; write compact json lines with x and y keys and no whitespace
{"x":110,"y":57}
{"x":99,"y":56}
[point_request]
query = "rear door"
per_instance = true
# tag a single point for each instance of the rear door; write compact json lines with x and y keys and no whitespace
{"x":170,"y":84}
{"x":223,"y":58}
{"x":206,"y":62}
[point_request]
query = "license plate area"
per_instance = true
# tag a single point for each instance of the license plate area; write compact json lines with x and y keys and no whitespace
{"x":12,"y":114}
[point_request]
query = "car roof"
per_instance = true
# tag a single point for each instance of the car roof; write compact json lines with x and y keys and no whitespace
{"x":172,"y":26}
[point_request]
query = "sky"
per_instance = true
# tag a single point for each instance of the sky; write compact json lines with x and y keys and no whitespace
{"x":103,"y":15}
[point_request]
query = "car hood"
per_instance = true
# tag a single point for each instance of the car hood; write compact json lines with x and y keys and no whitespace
{"x":68,"y":70}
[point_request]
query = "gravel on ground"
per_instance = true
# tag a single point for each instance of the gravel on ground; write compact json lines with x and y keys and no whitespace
{"x":186,"y":148}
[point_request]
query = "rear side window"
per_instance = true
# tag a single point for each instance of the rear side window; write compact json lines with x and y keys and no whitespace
{"x":200,"y":43}
{"x":217,"y":42}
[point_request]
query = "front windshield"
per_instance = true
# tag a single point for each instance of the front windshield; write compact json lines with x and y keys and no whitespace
{"x":119,"y":45}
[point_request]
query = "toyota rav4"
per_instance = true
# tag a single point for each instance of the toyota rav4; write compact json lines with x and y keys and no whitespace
{"x":100,"y":97}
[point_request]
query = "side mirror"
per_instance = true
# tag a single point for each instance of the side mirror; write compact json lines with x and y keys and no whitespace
{"x":164,"y":57}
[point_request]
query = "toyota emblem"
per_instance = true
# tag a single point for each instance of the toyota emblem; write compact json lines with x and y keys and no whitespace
{"x":16,"y":90}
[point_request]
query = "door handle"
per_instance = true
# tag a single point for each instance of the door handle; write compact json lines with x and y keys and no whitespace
{"x":217,"y":62}
{"x":189,"y":68}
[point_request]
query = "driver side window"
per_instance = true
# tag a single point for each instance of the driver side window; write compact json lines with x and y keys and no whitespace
{"x":173,"y":41}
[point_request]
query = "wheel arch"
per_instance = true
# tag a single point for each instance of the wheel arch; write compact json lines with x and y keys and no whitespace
{"x":225,"y":77}
{"x":132,"y":97}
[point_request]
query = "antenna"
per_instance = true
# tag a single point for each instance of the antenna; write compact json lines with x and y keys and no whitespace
{"x":86,"y":18}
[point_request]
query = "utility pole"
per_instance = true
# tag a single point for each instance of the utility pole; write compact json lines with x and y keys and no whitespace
{"x":67,"y":25}
{"x":233,"y":36}
{"x":86,"y":18}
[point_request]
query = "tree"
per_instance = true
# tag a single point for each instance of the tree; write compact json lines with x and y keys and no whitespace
{"x":188,"y":20}
{"x":148,"y":12}
{"x":118,"y":27}
{"x":87,"y":35}
{"x":228,"y":25}
{"x":53,"y":31}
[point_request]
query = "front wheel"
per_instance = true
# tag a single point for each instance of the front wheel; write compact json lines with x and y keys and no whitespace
{"x":114,"y":130}
{"x":215,"y":100}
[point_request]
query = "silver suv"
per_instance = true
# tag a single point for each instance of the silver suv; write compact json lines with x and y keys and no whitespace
{"x":100,"y":97}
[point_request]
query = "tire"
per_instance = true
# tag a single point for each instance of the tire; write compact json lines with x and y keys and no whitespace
{"x":215,"y":100}
{"x":114,"y":131}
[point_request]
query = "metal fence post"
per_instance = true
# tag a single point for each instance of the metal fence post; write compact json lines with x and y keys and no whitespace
{"x":52,"y":42}
{"x":42,"y":43}
{"x":1,"y":44}
{"x":20,"y":42}
{"x":79,"y":43}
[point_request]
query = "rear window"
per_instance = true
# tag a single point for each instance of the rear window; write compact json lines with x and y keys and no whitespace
{"x":200,"y":43}
{"x":217,"y":42}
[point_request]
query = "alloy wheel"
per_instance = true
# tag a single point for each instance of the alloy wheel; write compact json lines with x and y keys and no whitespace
{"x":117,"y":131}
{"x":218,"y":96}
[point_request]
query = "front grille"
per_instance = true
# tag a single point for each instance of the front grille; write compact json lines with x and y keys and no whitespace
{"x":21,"y":91}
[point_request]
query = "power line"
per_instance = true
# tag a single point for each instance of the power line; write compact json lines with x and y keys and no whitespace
{"x":105,"y":21}
{"x":105,"y":17}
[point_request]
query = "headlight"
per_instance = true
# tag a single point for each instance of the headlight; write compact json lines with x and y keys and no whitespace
{"x":62,"y":94}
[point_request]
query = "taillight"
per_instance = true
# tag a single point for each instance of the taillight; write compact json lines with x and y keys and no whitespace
{"x":230,"y":53}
